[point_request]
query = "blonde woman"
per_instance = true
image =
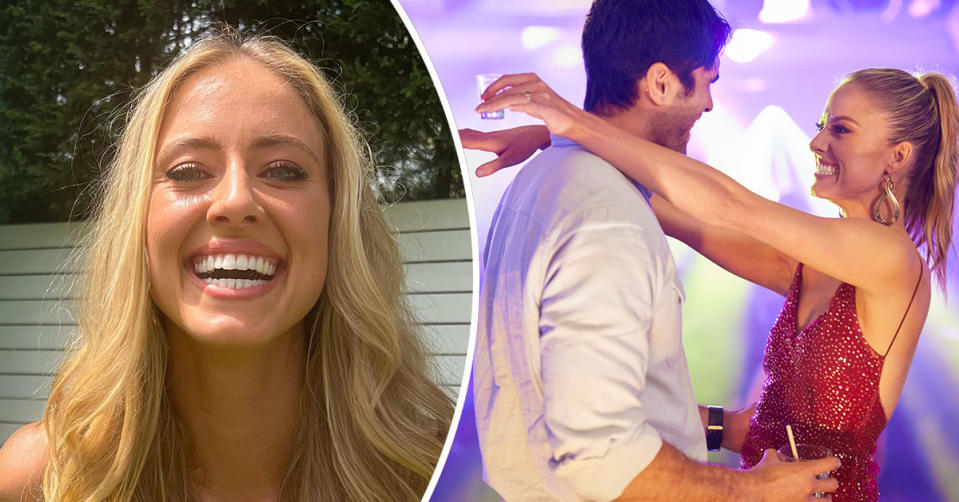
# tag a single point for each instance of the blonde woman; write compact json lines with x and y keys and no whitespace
{"x":242,"y":334}
{"x":857,"y":288}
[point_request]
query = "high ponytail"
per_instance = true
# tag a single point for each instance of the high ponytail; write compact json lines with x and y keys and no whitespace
{"x":945,"y":169}
{"x":922,"y":111}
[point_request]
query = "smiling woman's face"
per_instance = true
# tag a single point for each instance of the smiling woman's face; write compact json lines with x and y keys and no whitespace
{"x":852,"y":150}
{"x":239,"y":212}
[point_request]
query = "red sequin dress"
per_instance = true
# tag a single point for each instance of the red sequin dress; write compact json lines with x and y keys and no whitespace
{"x":824,"y":382}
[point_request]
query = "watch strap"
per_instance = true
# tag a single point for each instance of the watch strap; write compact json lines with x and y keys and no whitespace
{"x":714,"y":429}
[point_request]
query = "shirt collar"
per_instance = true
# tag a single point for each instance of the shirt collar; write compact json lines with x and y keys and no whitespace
{"x":561,"y":142}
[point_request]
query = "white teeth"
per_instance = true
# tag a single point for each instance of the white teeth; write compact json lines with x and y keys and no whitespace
{"x":234,"y":283}
{"x":825,"y":170}
{"x":234,"y":262}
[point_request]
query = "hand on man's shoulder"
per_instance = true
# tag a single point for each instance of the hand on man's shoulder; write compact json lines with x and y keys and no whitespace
{"x":22,"y":461}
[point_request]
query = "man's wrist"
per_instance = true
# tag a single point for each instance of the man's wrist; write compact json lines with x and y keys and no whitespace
{"x":704,"y":416}
{"x":732,"y":431}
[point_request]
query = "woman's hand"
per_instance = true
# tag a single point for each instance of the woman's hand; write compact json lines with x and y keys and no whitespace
{"x":735,"y":427}
{"x":511,"y":146}
{"x":525,"y":92}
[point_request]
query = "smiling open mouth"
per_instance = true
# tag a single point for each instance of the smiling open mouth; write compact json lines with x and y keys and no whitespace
{"x":234,"y":271}
{"x":823,"y":169}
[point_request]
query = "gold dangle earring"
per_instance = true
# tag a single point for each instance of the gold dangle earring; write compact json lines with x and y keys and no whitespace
{"x":887,"y":197}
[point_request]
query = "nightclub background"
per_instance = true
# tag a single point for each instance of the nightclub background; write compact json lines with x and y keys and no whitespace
{"x":783,"y":60}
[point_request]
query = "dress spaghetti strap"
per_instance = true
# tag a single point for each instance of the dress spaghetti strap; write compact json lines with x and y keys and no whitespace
{"x":907,"y":309}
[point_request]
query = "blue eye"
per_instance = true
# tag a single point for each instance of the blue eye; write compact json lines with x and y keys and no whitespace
{"x":284,"y":171}
{"x":187,"y":173}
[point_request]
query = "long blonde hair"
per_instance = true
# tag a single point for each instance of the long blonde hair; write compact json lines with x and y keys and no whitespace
{"x":372,"y":423}
{"x":923,"y":111}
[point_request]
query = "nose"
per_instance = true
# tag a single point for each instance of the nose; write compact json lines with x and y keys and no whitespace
{"x":709,"y":101}
{"x":234,"y":201}
{"x":818,"y":144}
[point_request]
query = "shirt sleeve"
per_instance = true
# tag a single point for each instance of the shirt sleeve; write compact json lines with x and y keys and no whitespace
{"x":595,"y":320}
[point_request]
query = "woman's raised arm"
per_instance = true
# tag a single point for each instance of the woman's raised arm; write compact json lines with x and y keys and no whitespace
{"x":736,"y":252}
{"x":837,"y":247}
{"x":739,"y":254}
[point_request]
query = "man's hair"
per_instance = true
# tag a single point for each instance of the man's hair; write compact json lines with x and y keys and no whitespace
{"x":623,"y":38}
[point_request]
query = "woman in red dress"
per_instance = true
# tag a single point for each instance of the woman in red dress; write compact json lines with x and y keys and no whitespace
{"x":857,"y":288}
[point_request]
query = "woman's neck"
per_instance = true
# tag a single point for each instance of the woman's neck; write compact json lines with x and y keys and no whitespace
{"x":864,"y":212}
{"x":240,"y":407}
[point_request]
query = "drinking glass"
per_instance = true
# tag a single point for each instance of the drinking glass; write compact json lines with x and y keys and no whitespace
{"x":483,"y":80}
{"x":806,"y":453}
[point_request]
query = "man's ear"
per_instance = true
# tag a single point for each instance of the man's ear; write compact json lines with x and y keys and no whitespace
{"x":658,"y":85}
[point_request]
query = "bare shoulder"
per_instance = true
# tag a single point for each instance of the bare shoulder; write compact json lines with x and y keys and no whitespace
{"x":23,"y":459}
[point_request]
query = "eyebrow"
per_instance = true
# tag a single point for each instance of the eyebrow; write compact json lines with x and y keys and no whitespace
{"x":201,"y":143}
{"x":209,"y":143}
{"x":843,"y":117}
{"x":271,"y":140}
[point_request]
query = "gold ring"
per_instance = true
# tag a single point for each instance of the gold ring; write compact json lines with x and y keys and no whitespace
{"x":528,"y":94}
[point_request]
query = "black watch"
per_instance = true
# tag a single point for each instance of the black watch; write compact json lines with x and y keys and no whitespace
{"x":714,"y":430}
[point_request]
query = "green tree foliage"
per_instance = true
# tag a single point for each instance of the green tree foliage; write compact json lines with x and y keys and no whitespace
{"x":68,"y":67}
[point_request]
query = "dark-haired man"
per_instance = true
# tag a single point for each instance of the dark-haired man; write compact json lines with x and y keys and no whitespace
{"x":582,"y":389}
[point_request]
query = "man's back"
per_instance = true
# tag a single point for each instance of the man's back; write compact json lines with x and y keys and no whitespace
{"x":579,"y":367}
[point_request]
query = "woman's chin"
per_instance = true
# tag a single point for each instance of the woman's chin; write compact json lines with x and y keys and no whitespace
{"x":225,"y":331}
{"x":821,"y":189}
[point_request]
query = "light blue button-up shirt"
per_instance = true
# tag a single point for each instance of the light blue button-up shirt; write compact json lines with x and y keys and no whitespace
{"x":579,"y":369}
